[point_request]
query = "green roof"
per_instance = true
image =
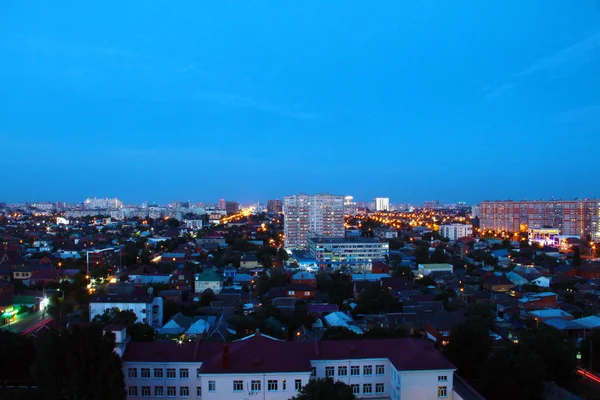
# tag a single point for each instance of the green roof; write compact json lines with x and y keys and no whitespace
{"x":208,"y":276}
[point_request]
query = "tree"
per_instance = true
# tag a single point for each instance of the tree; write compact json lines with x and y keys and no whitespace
{"x":336,"y":286}
{"x":17,"y":354}
{"x":140,"y":332}
{"x":377,"y":299}
{"x":173,"y":223}
{"x":469,"y":346}
{"x":115,"y":316}
{"x":170,"y":308}
{"x":339,"y":333}
{"x":78,"y":365}
{"x":325,"y":389}
{"x":207,"y":297}
{"x":514,"y":372}
{"x":576,"y":256}
{"x":481,"y":313}
{"x":557,"y":355}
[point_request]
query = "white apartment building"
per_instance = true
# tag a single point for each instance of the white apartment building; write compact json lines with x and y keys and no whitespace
{"x":456,"y":231}
{"x":357,"y":252}
{"x":147,"y":308}
{"x":382,"y":204}
{"x":262,"y":367}
{"x":312,"y":215}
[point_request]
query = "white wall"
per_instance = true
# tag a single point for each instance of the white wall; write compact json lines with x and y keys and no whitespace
{"x":361,"y":379}
{"x":224,"y":386}
{"x":143,"y":311}
{"x":423,"y":385}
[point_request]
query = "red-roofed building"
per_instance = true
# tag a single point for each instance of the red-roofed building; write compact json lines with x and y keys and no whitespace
{"x":261,"y":365}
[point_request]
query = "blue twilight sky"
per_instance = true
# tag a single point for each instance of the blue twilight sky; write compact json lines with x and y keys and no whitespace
{"x":250,"y":100}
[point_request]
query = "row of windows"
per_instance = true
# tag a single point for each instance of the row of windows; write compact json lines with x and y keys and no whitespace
{"x":184,"y":373}
{"x":354,"y":370}
{"x":256,"y":385}
{"x":159,"y":391}
{"x":367,"y":388}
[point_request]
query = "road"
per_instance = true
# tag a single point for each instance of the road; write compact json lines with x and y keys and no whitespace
{"x":25,"y":322}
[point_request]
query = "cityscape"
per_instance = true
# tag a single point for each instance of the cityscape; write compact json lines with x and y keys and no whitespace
{"x":301,"y":200}
{"x":419,"y":293}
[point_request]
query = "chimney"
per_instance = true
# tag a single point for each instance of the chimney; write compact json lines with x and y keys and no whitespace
{"x":225,"y":357}
{"x":317,"y":350}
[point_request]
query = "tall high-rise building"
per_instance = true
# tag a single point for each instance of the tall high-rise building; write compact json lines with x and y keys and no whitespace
{"x":382,"y":204}
{"x":222,"y":204}
{"x":232,"y":207}
{"x":274,"y":206}
{"x":310,"y":216}
{"x":572,"y":217}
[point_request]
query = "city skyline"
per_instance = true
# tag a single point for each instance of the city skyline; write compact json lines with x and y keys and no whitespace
{"x":408,"y":100}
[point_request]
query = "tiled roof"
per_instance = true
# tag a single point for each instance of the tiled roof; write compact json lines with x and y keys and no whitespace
{"x":262,"y":354}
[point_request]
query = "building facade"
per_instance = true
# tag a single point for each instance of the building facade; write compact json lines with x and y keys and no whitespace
{"x":274,"y":206}
{"x":262,"y":367}
{"x":456,"y":231}
{"x":147,"y":308}
{"x":232,"y":207}
{"x":312,"y":215}
{"x":573,"y":217}
{"x":355,"y":252}
{"x":382,"y":204}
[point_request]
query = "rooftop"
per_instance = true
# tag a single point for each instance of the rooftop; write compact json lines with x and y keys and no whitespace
{"x":262,"y":354}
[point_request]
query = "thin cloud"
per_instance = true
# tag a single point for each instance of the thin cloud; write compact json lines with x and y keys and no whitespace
{"x":565,"y":60}
{"x":572,"y":56}
{"x":232,"y":100}
{"x":491,"y":91}
{"x":583,"y":114}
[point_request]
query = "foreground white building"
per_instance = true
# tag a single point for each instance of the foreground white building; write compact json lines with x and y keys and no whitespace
{"x":357,"y":252}
{"x":262,"y":367}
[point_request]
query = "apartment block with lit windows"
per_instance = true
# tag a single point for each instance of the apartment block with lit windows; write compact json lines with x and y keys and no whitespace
{"x":312,"y":215}
{"x":571,"y":217}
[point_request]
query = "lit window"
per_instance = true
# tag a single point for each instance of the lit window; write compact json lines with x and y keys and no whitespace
{"x":380,"y":369}
{"x":367,"y":370}
{"x":255,"y":386}
{"x":184,"y":391}
{"x":355,"y":370}
{"x":379,"y":388}
{"x":145,"y":372}
{"x":342,"y":371}
{"x":367,"y":388}
{"x":442,"y":391}
{"x":145,"y":391}
{"x":132,"y":372}
{"x":159,"y":391}
{"x":184,"y":373}
{"x":132,"y":391}
{"x":355,"y":388}
{"x":272,"y":385}
{"x":238,"y":386}
{"x":298,"y":384}
{"x":212,"y":386}
{"x":329,"y":371}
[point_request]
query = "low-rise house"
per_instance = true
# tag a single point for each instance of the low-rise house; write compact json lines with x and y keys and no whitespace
{"x":498,"y":283}
{"x":249,"y":261}
{"x":182,"y":280}
{"x":208,"y":279}
{"x":588,"y":270}
{"x":538,"y":301}
{"x":189,"y":327}
{"x":340,"y":319}
{"x":229,"y":272}
{"x":542,"y":281}
{"x":438,"y":329}
{"x":305,"y":278}
{"x":548,"y":313}
{"x":173,"y":258}
{"x":428,"y":269}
